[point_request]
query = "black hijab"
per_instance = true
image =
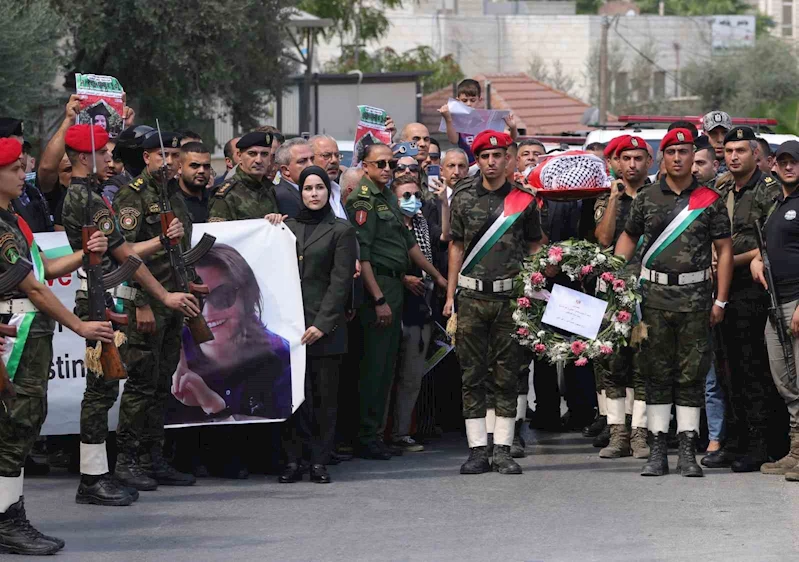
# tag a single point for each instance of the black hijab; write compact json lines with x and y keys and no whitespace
{"x":307,"y":216}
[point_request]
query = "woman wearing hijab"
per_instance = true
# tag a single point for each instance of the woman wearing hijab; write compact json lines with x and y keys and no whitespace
{"x":326,"y":258}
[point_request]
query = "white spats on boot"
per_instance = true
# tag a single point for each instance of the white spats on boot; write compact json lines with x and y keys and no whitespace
{"x":10,"y":491}
{"x":476,"y":432}
{"x":491,"y":419}
{"x":639,"y":414}
{"x":658,"y":417}
{"x":601,"y":402}
{"x":688,"y":419}
{"x":628,"y":402}
{"x":521,"y":406}
{"x":615,"y":408}
{"x":93,"y":459}
{"x":503,"y":431}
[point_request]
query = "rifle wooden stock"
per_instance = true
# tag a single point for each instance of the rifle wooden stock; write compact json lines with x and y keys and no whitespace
{"x":166,"y":219}
{"x":197,"y":289}
{"x":116,"y":317}
{"x":200,"y":332}
{"x":111,"y":361}
{"x":86,"y":232}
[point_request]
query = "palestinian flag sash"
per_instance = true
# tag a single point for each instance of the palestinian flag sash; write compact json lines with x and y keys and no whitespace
{"x":15,"y":345}
{"x":495,"y":226}
{"x":700,"y":199}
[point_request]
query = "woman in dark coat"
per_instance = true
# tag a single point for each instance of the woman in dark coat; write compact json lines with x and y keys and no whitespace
{"x":326,"y":253}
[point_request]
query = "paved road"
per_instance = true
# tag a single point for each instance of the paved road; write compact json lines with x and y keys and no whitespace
{"x":568,"y":505}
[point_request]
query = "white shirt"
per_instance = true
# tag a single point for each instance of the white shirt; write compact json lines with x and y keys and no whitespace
{"x":335,"y":201}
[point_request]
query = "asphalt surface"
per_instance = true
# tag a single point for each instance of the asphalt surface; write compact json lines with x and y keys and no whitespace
{"x":568,"y":505}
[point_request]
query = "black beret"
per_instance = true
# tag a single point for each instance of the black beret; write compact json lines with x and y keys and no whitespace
{"x":740,"y":134}
{"x":255,"y":139}
{"x":702,"y":142}
{"x":10,"y":127}
{"x":151,"y":141}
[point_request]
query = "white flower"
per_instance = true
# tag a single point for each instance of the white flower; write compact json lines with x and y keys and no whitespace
{"x":541,"y":333}
{"x":601,"y":258}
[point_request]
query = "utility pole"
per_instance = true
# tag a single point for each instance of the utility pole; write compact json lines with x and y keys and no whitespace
{"x":358,"y":35}
{"x":604,"y":85}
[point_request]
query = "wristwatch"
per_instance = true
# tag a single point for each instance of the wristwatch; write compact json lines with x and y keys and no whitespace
{"x":720,"y":304}
{"x":381,"y":301}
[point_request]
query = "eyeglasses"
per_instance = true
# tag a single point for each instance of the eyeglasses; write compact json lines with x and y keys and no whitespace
{"x":435,"y":157}
{"x":381,"y":164}
{"x":411,"y":167}
{"x":223,"y":296}
{"x":329,"y":155}
{"x":407,"y":195}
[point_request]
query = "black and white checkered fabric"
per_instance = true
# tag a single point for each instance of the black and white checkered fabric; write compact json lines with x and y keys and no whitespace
{"x":573,"y":170}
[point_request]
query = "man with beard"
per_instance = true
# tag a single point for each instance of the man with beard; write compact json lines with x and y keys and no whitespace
{"x":195,"y":172}
{"x":706,"y":166}
{"x":327,"y":157}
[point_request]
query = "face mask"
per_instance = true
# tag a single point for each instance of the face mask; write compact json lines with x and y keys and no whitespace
{"x":410,"y":206}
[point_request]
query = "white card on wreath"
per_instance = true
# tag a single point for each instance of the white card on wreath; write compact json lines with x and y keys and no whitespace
{"x":574,"y":312}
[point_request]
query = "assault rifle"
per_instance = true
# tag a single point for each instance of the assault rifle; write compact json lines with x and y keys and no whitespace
{"x":774,"y":309}
{"x":179,"y":260}
{"x":8,"y":282}
{"x":97,"y":283}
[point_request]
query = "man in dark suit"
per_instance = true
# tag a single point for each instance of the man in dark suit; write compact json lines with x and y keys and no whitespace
{"x":293,"y":157}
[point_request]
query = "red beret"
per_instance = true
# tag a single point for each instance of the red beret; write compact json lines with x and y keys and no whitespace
{"x":77,"y":137}
{"x":610,"y":149}
{"x":631,"y":143}
{"x":490,"y":139}
{"x":10,"y":149}
{"x":676,"y":136}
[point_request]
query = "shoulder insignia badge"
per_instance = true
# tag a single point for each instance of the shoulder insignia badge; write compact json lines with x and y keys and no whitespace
{"x":154,"y":208}
{"x":137,"y":184}
{"x":361,"y":216}
{"x":129,"y":218}
{"x":102,"y":219}
{"x":223,"y":189}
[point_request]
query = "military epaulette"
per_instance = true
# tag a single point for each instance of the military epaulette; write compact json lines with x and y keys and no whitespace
{"x":768,"y":180}
{"x":363,"y":192}
{"x":224,"y":189}
{"x":137,"y":184}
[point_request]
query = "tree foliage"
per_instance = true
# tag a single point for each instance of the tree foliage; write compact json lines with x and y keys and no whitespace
{"x":555,"y":77}
{"x":27,"y":47}
{"x":351,"y":17}
{"x":178,"y":60}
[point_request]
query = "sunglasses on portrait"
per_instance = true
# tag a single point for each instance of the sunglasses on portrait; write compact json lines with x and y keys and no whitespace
{"x":223,"y":296}
{"x":382,"y":163}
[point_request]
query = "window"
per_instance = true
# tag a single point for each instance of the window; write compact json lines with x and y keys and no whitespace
{"x":787,"y":14}
{"x":660,"y":85}
{"x":642,"y":88}
{"x":787,"y":31}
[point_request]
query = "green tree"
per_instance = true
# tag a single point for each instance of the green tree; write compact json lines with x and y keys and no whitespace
{"x":177,"y":60}
{"x":555,"y":78}
{"x":708,"y":8}
{"x":352,"y":19}
{"x":27,"y":44}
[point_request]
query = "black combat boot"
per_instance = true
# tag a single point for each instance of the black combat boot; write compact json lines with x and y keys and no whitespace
{"x":603,"y":438}
{"x":130,"y":473}
{"x":18,"y":536}
{"x":596,"y":427}
{"x":723,"y":458}
{"x":517,"y":448}
{"x":756,"y":454}
{"x":658,"y":463}
{"x":102,"y":490}
{"x":503,"y":462}
{"x":319,"y":474}
{"x":477,"y":462}
{"x":155,"y":465}
{"x":687,"y":465}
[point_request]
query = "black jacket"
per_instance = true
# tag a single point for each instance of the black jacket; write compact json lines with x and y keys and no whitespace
{"x":289,"y":200}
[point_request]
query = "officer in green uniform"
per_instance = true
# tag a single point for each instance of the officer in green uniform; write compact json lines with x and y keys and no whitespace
{"x":748,"y":195}
{"x":97,"y":485}
{"x":154,"y":344}
{"x":248,"y":194}
{"x":483,"y":340}
{"x":623,"y":384}
{"x":681,"y":222}
{"x":386,"y":249}
{"x":33,"y":306}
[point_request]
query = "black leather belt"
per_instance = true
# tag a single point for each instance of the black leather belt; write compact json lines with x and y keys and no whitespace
{"x":386,"y":272}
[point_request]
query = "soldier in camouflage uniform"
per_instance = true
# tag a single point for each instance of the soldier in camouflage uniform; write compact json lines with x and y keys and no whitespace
{"x":483,"y":341}
{"x":97,"y":485}
{"x":154,"y":347}
{"x":29,"y":363}
{"x":749,"y":195}
{"x":680,"y":223}
{"x":623,"y":384}
{"x":248,"y":194}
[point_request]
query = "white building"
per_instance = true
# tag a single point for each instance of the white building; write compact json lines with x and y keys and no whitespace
{"x":784,"y":15}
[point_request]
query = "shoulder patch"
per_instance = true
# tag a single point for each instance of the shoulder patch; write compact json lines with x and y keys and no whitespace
{"x":10,"y":251}
{"x":599,"y":212}
{"x":362,"y":205}
{"x":382,"y":207}
{"x":129,"y":218}
{"x":360,"y":217}
{"x":104,"y":222}
{"x":223,"y":189}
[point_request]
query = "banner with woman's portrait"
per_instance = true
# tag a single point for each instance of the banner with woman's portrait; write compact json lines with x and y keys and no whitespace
{"x":254,"y":368}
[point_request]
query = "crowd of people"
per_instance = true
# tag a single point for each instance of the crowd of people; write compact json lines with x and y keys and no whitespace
{"x":387,"y":251}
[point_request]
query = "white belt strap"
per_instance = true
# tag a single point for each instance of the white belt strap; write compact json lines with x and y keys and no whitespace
{"x":682,"y":278}
{"x":120,"y":291}
{"x":17,"y":306}
{"x":498,"y":286}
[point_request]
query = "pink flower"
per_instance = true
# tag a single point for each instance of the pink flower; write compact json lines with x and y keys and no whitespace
{"x":605,"y":350}
{"x":523,"y":302}
{"x":581,"y":362}
{"x":578,"y":347}
{"x":586,"y":269}
{"x":623,"y":316}
{"x":619,"y":285}
{"x":607,"y":277}
{"x":555,"y":254}
{"x":540,"y":348}
{"x":537,"y":278}
{"x":523,"y":332}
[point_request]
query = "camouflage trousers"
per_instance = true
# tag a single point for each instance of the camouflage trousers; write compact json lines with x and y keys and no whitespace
{"x":21,"y":424}
{"x":620,"y":372}
{"x":151,"y":360}
{"x":676,"y":356}
{"x":523,"y":388}
{"x":486,"y":351}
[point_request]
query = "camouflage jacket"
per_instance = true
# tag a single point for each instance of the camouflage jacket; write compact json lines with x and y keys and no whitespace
{"x":691,"y":251}
{"x":13,"y":245}
{"x":381,"y":231}
{"x":102,"y":217}
{"x":623,"y":206}
{"x":242,"y":197}
{"x":138,"y":207}
{"x":471,"y":207}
